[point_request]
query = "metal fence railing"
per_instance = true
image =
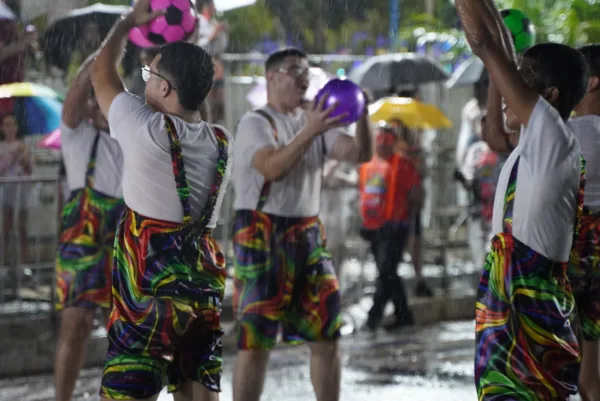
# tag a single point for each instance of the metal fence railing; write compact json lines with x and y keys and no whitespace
{"x":30,"y":226}
{"x":28,"y":237}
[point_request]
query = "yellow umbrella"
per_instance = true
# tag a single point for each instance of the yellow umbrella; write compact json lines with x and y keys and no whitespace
{"x":411,"y":112}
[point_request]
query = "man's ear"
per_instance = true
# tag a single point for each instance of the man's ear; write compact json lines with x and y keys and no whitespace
{"x":551,"y":94}
{"x":593,"y":84}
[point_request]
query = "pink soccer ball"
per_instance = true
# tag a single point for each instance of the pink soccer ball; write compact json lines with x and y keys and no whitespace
{"x":178,"y":24}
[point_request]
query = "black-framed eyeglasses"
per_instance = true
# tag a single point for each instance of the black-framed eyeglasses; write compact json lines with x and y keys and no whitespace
{"x":295,"y":71}
{"x":147,"y":72}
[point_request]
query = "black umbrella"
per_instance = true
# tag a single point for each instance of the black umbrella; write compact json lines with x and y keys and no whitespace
{"x":391,"y":71}
{"x":61,"y":38}
{"x":470,"y":72}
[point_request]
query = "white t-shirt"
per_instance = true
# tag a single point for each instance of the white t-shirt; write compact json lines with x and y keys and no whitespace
{"x":298,"y":193}
{"x":545,"y":203}
{"x":471,"y":159}
{"x":470,"y":117}
{"x":148,"y":180}
{"x":206,"y":28}
{"x":587,"y":130}
{"x":76,"y":148}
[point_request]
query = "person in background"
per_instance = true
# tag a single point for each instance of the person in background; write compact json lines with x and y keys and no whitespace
{"x":86,"y":45}
{"x":93,"y":164}
{"x":334,"y":210}
{"x":15,"y":161}
{"x":212,"y":37}
{"x":479,"y":176}
{"x":408,"y":145}
{"x":471,"y":116}
{"x":584,"y":263}
{"x":390,"y":193}
{"x":14,"y":48}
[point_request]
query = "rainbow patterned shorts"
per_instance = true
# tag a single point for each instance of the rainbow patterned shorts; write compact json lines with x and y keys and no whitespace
{"x":284,"y":279}
{"x":526,"y":344}
{"x":584,"y":275}
{"x":85,"y":247}
{"x":164,"y":328}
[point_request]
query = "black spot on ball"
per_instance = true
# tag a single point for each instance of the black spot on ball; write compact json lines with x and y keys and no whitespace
{"x":174,"y":16}
{"x":156,"y":38}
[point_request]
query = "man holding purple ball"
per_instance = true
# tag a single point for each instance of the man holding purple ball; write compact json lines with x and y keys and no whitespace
{"x":284,"y":279}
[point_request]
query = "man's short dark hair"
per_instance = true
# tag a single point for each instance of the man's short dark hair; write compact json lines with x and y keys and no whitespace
{"x":592,"y":56}
{"x":563,"y":67}
{"x":276,"y":58}
{"x":190,"y":70}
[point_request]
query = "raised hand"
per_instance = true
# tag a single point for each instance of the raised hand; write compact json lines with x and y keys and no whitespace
{"x":141,"y":13}
{"x":319,"y":119}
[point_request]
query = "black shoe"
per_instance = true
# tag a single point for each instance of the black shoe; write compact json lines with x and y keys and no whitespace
{"x":370,"y":326}
{"x":406,"y":320}
{"x":423,"y":290}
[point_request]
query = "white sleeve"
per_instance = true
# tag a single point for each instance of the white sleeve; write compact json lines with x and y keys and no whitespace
{"x":470,"y":162}
{"x":205,"y":30}
{"x":546,"y":141}
{"x":130,"y":119}
{"x":253,"y":133}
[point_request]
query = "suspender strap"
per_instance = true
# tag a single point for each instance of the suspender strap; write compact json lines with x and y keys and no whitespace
{"x":181,"y":182}
{"x":91,"y":167}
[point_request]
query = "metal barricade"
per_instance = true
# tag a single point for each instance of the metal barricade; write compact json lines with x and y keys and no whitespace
{"x":28,"y":238}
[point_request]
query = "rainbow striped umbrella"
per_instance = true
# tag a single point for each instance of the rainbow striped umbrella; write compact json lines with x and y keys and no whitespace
{"x":38,"y":108}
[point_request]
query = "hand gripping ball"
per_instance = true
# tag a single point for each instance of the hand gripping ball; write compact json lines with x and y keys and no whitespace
{"x":350,"y":97}
{"x":178,"y":24}
{"x":520,"y":27}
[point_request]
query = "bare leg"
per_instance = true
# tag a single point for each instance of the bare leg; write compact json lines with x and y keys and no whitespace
{"x":23,"y":240}
{"x":193,"y":391}
{"x":325,"y":370}
{"x":7,"y":229}
{"x":416,"y":255}
{"x":589,"y":376}
{"x":249,"y":375}
{"x":75,"y":328}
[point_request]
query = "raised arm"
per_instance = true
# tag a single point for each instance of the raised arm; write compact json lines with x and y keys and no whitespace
{"x":73,"y":111}
{"x":493,"y":131}
{"x":487,"y":35}
{"x":275,"y":162}
{"x":105,"y":76}
{"x":355,"y":150}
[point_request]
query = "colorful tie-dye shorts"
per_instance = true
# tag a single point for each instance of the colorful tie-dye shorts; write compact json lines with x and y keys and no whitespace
{"x":284,"y":279}
{"x":164,"y":328}
{"x":526,"y":343}
{"x":85,"y":247}
{"x":584,"y":275}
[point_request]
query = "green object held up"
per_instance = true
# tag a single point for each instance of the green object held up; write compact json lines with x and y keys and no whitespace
{"x":520,"y":27}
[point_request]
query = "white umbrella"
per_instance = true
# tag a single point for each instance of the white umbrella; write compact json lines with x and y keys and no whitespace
{"x":6,"y":12}
{"x":226,"y":5}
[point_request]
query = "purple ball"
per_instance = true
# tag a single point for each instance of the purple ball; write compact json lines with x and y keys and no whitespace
{"x":350,"y":97}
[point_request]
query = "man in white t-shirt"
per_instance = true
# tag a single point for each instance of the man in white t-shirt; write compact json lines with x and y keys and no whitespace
{"x":213,"y":37}
{"x":169,"y":273}
{"x":94,"y":170}
{"x":526,"y":342}
{"x":584,"y":269}
{"x":284,"y":277}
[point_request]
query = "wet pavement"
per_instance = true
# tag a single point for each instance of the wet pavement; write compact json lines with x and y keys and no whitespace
{"x":427,"y":363}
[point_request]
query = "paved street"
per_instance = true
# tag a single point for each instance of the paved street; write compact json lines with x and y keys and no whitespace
{"x":432,"y":363}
